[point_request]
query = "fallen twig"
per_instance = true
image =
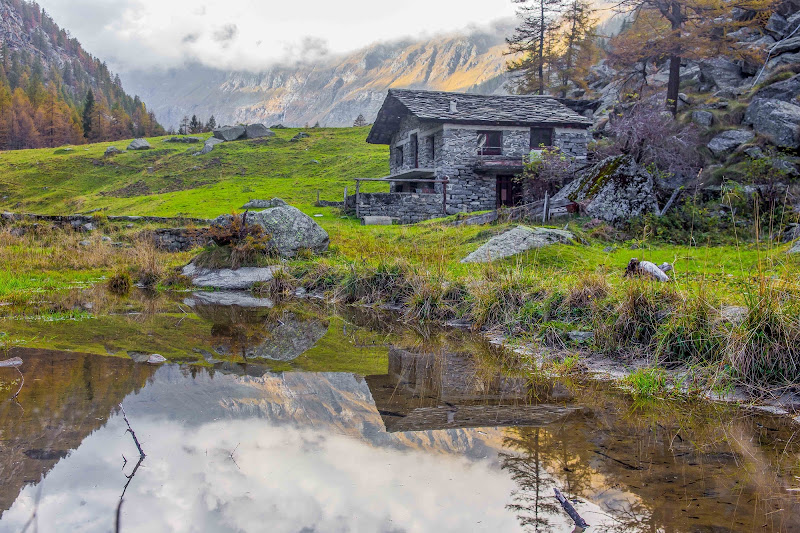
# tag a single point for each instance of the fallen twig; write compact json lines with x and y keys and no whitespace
{"x":130,"y":478}
{"x":570,"y":510}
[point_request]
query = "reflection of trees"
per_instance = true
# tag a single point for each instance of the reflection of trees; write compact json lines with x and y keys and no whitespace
{"x":533,"y":501}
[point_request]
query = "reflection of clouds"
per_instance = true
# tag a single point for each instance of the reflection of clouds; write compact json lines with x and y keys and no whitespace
{"x":189,"y":483}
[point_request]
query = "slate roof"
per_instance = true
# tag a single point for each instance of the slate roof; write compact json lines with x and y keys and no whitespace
{"x":470,"y":109}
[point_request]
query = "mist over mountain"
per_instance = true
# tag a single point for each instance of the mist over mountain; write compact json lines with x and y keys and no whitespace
{"x":333,"y":91}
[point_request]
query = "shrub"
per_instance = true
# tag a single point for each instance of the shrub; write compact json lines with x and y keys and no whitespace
{"x":119,"y":283}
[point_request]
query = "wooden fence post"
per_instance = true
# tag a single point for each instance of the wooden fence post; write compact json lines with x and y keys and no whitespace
{"x":317,"y":197}
{"x":345,"y":196}
{"x":546,"y":208}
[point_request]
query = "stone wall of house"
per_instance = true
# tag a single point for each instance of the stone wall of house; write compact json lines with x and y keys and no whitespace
{"x":572,"y":142}
{"x":407,"y":208}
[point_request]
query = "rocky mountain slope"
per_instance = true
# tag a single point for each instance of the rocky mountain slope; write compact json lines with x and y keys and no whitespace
{"x":333,"y":92}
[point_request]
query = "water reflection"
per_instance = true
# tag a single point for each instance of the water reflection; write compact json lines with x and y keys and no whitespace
{"x":435,"y":437}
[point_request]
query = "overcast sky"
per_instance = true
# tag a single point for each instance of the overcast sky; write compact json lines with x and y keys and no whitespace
{"x":252,"y":34}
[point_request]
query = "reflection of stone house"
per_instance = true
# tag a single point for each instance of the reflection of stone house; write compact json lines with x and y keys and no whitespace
{"x":424,"y":391}
{"x":475,"y":143}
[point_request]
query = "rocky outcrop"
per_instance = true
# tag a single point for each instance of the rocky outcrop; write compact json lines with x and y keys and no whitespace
{"x":728,"y":141}
{"x":775,"y":119}
{"x":112,"y":150}
{"x":229,"y":133}
{"x":139,"y":144}
{"x":228,"y":279}
{"x":703,"y":118}
{"x":613,"y":190}
{"x":516,"y":241}
{"x":720,"y":73}
{"x":786,"y":90}
{"x":184,"y":140}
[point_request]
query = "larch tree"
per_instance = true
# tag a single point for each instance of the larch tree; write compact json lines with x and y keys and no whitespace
{"x":88,"y":112}
{"x":538,"y":20}
{"x":682,"y":29}
{"x":578,"y":35}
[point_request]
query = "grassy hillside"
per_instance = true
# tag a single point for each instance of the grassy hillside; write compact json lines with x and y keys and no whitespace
{"x":169,"y":181}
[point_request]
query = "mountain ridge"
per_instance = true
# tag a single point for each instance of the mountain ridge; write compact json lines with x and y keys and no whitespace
{"x":332,"y":92}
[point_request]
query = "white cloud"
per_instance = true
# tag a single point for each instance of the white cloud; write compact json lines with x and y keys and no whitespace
{"x":253,"y":34}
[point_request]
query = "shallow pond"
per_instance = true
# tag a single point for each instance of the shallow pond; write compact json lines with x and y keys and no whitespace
{"x":305,"y":418}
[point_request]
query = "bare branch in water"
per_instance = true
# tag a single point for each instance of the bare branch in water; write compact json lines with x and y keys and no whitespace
{"x":122,"y":496}
{"x":133,"y":434}
{"x":20,"y":385}
{"x":570,"y":510}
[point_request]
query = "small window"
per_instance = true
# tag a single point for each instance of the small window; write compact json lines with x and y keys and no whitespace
{"x":399,"y":156}
{"x":490,"y":142}
{"x":541,"y":137}
{"x":432,"y":147}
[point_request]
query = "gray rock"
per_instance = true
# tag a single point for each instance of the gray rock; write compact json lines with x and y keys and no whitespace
{"x":728,"y":141}
{"x":704,"y":118}
{"x":227,"y":279}
{"x":776,"y":26}
{"x":112,"y":150}
{"x":795,"y":249}
{"x":745,"y":35}
{"x":721,"y":73}
{"x":787,"y":45}
{"x":581,"y":337}
{"x":228,"y":299}
{"x":88,"y":227}
{"x":783,"y":59}
{"x":139,"y":144}
{"x":257,"y":131}
{"x":517,"y":241}
{"x":230,"y":133}
{"x":291,"y":230}
{"x":14,"y":362}
{"x":209,"y":146}
{"x":613,"y":190}
{"x":106,"y":238}
{"x":665,"y":267}
{"x":264,"y":204}
{"x":301,"y":135}
{"x":156,"y":359}
{"x":754,"y":152}
{"x":775,"y":119}
{"x":184,"y":140}
{"x":786,"y":90}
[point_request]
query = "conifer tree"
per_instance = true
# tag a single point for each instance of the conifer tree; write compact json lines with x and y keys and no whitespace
{"x":211,"y":125}
{"x":360,"y":121}
{"x":88,"y":112}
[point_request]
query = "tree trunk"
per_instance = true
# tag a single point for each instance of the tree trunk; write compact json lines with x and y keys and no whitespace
{"x":674,"y":83}
{"x":541,"y":49}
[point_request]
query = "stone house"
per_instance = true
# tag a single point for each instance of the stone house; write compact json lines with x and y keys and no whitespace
{"x":455,"y":153}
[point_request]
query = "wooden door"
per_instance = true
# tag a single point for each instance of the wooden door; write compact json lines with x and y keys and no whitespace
{"x":509,"y":192}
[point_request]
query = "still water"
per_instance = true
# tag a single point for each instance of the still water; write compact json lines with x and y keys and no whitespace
{"x":308,"y":419}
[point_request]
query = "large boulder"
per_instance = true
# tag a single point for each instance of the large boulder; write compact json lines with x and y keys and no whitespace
{"x":209,"y":146}
{"x":775,"y":119}
{"x":516,"y":241}
{"x":786,"y":90}
{"x":613,"y":190}
{"x":728,"y":141}
{"x":257,"y":131}
{"x":184,"y":140}
{"x":787,"y":45}
{"x":264,"y":204}
{"x":703,"y":118}
{"x":291,"y":229}
{"x":721,"y":73}
{"x":112,"y":150}
{"x":230,"y":133}
{"x":139,"y":144}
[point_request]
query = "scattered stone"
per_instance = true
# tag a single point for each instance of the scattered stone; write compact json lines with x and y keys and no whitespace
{"x":613,"y":190}
{"x":299,"y":136}
{"x":647,"y":269}
{"x":610,"y":249}
{"x":665,"y":267}
{"x":775,"y":119}
{"x":376,"y":221}
{"x":728,"y":141}
{"x":150,"y":170}
{"x":209,"y":146}
{"x":264,"y":204}
{"x":112,"y":150}
{"x":106,"y":238}
{"x":139,"y":144}
{"x":88,"y":227}
{"x":704,"y":118}
{"x":257,"y":131}
{"x":85,"y":243}
{"x":754,"y":152}
{"x":733,"y":315}
{"x":156,"y":359}
{"x":184,"y":140}
{"x":230,"y":133}
{"x":581,"y":337}
{"x":14,"y":362}
{"x":517,"y":241}
{"x":795,"y":249}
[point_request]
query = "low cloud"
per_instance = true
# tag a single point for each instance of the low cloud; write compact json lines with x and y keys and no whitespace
{"x":252,"y":34}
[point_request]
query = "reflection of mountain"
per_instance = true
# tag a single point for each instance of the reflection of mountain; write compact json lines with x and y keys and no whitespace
{"x":447,"y":390}
{"x":66,"y":397}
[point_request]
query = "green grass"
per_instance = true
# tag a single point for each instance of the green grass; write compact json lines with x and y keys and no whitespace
{"x":170,"y":181}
